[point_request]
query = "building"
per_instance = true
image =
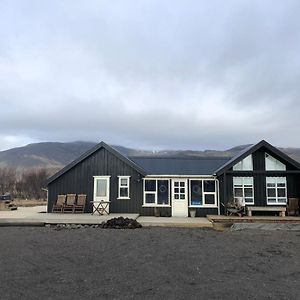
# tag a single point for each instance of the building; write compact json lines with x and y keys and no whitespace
{"x":261,"y":175}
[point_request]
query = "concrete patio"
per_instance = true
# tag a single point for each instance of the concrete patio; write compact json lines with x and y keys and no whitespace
{"x":253,"y":219}
{"x":175,"y":222}
{"x":37,"y":216}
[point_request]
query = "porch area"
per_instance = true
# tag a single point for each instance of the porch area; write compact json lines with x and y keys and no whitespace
{"x":38,"y":216}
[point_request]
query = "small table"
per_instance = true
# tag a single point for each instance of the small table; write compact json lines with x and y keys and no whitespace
{"x":101,"y":207}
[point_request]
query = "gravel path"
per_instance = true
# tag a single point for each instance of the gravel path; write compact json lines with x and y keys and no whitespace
{"x":148,"y":263}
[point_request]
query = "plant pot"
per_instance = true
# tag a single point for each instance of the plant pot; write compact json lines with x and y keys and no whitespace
{"x":193,"y":212}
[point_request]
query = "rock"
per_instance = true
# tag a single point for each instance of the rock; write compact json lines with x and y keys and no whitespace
{"x":121,"y":223}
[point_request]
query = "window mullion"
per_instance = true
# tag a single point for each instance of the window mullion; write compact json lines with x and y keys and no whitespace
{"x":156,"y":192}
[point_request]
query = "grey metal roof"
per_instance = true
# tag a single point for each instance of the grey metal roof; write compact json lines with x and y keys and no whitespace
{"x":180,"y":166}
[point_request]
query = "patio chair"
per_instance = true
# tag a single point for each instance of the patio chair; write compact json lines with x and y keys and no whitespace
{"x":234,"y":207}
{"x":293,"y":207}
{"x":80,"y":204}
{"x":70,"y":203}
{"x":60,"y":202}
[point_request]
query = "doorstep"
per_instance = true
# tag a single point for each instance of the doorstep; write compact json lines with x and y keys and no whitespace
{"x":253,"y":219}
{"x":175,"y":222}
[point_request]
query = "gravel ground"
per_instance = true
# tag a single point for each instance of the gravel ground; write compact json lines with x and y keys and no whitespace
{"x":148,"y":263}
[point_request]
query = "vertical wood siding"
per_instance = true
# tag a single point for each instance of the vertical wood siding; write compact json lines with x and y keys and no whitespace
{"x":293,"y":180}
{"x":80,"y":179}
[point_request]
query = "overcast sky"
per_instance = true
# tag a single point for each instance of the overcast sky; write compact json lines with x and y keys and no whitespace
{"x":150,"y":74}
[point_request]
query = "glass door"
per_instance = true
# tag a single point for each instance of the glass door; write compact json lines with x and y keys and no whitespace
{"x":101,"y":189}
{"x":179,"y":198}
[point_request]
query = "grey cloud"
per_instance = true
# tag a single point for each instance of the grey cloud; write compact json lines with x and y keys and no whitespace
{"x":150,"y":74}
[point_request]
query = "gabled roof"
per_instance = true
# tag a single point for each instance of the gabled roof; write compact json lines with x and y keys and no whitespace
{"x":180,"y":165}
{"x":92,"y":151}
{"x":251,"y":149}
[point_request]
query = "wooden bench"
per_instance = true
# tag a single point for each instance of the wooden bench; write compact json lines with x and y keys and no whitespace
{"x":280,"y":209}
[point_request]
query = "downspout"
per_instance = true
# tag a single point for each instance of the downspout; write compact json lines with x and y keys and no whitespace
{"x":225,"y":188}
{"x":218,"y":197}
{"x":218,"y":193}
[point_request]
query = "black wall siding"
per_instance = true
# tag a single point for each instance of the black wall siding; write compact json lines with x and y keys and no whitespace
{"x":203,"y":212}
{"x":224,"y":193}
{"x":149,"y":211}
{"x":293,"y":186}
{"x":260,"y":198}
{"x":80,"y":179}
{"x":258,"y":160}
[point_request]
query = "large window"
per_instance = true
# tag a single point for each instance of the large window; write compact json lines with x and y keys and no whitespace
{"x":273,"y":164}
{"x":243,"y":191}
{"x":203,"y":193}
{"x":244,"y":165}
{"x":276,"y":190}
{"x":123,"y":187}
{"x":156,"y":192}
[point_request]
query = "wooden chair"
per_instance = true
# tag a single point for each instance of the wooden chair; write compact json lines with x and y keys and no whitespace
{"x":59,"y":205}
{"x":80,"y":204}
{"x":293,"y":207}
{"x":68,"y":207}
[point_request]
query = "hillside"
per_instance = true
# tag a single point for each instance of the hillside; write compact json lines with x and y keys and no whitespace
{"x":54,"y":155}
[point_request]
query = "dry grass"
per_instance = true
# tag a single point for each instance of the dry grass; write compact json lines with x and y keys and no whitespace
{"x":29,"y":202}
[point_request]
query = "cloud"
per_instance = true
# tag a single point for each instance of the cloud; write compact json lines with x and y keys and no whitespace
{"x":152,"y":74}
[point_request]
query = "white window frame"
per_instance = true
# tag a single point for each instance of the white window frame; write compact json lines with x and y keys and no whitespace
{"x":243,"y":186}
{"x":127,"y":186}
{"x":155,"y":204}
{"x":215,"y":205}
{"x":107,"y":188}
{"x":279,"y":166}
{"x":240,"y":166}
{"x":276,"y":191}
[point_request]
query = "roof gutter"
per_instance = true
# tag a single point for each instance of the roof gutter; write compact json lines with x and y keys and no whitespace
{"x":180,"y":176}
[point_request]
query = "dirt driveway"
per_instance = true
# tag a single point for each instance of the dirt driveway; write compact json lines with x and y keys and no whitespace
{"x":148,"y":263}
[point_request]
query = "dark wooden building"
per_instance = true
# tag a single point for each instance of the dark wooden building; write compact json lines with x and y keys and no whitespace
{"x":261,"y":175}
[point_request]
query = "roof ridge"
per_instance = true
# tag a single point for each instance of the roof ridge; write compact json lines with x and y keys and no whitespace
{"x":179,"y":157}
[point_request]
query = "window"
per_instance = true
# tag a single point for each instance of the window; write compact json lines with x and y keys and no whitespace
{"x":203,"y":193}
{"x":276,"y":190}
{"x":243,"y":190}
{"x":156,"y":192}
{"x":273,"y":164}
{"x":123,"y":187}
{"x":179,"y":190}
{"x":244,"y":165}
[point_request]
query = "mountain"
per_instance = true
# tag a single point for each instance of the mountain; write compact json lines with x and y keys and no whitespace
{"x":48,"y":155}
{"x":54,"y":156}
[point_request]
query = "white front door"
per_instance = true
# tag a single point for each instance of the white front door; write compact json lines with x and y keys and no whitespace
{"x":101,"y":189}
{"x":179,"y":198}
